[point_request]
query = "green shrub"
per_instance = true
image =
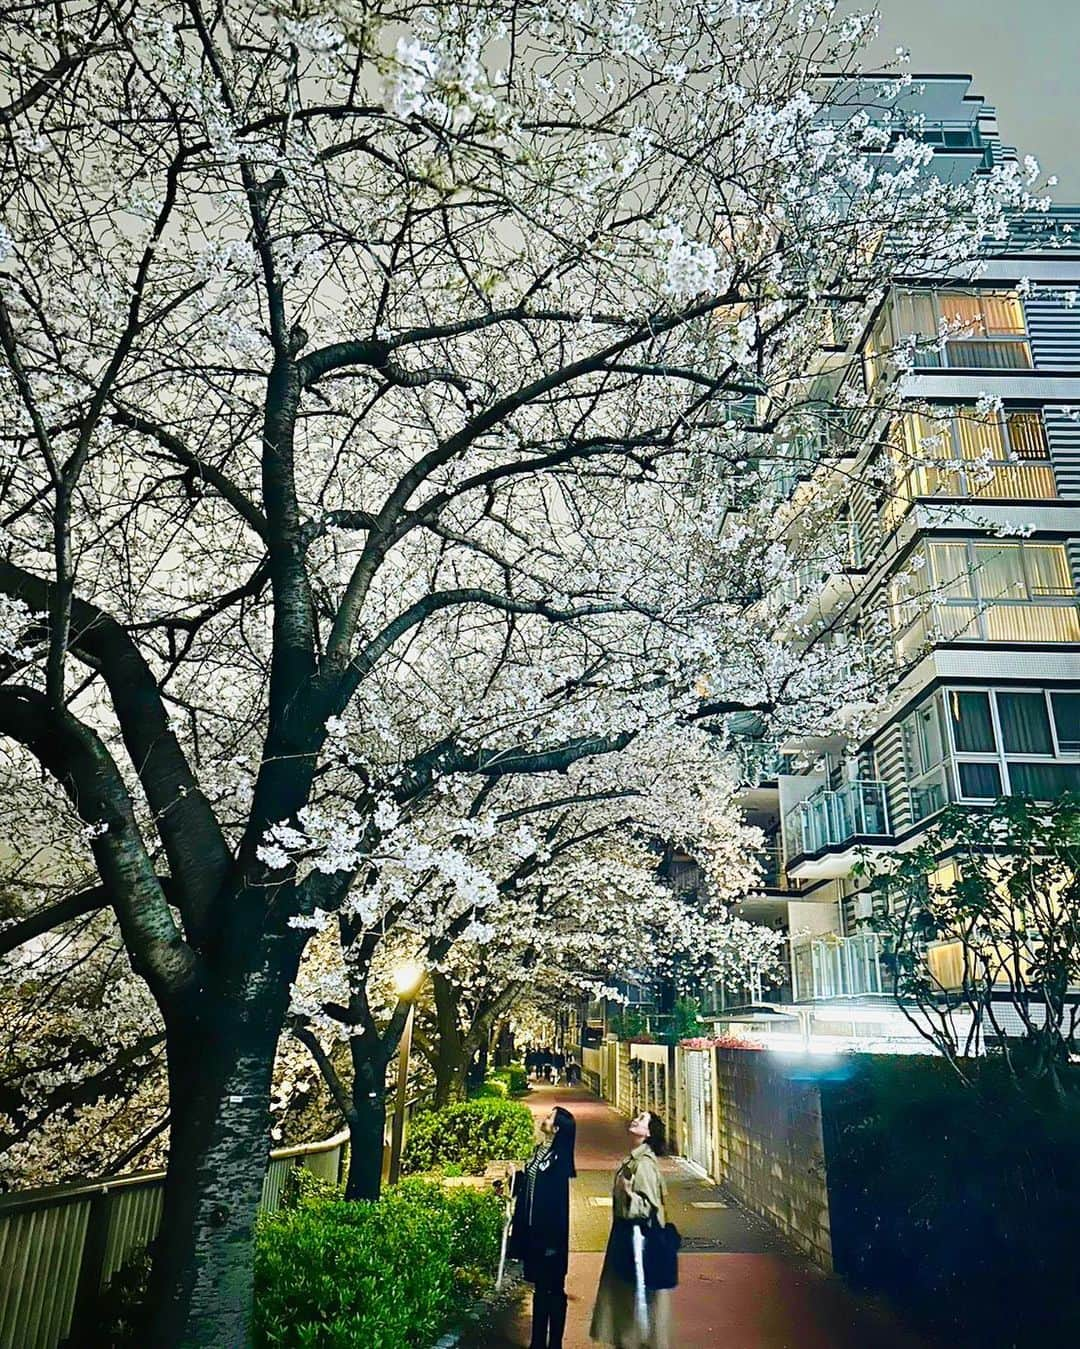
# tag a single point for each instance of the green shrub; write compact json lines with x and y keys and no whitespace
{"x":469,"y":1134}
{"x":394,"y":1274}
{"x":517,"y":1078}
{"x":512,"y":1080}
{"x":492,"y":1088}
{"x":303,"y":1186}
{"x":957,"y":1202}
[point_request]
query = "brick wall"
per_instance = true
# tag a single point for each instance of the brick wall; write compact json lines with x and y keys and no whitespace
{"x":771,"y":1151}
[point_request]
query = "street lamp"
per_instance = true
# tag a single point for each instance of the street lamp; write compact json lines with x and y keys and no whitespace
{"x":407,"y":979}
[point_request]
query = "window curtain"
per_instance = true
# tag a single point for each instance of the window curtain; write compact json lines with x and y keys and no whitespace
{"x":973,"y":728}
{"x":950,"y":571}
{"x":979,"y":780}
{"x":1067,"y":721}
{"x":1047,"y":566}
{"x":1000,"y":572}
{"x":1044,"y":781}
{"x":1025,"y":726}
{"x":979,"y":435}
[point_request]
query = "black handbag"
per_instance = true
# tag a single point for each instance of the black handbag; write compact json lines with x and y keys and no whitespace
{"x":661,"y":1253}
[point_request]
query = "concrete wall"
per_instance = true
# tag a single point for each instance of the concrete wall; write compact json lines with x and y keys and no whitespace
{"x":770,"y":1145}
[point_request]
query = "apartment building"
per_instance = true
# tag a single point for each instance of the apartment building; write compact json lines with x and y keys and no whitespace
{"x":970,"y":568}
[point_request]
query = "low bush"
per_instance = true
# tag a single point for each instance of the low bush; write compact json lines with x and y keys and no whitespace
{"x":517,"y":1078}
{"x":513,"y":1078}
{"x":393,"y":1274}
{"x":468,"y":1135}
{"x":957,"y":1202}
{"x":492,"y":1088}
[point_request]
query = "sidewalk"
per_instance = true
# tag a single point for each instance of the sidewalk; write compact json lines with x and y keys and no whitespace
{"x":740,"y":1285}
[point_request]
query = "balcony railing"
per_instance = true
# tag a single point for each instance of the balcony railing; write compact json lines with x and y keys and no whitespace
{"x":837,"y":967}
{"x":831,"y":818}
{"x":929,"y":797}
{"x":976,"y":353}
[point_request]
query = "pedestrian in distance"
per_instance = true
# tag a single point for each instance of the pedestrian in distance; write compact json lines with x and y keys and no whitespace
{"x":633,"y":1302}
{"x":540,"y":1232}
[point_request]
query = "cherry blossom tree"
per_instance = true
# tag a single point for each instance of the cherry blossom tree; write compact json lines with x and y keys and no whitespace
{"x":543,"y":881}
{"x":371,"y":379}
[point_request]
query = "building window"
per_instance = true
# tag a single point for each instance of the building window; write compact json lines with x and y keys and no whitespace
{"x":949,"y":329}
{"x":984,"y":591}
{"x":1023,"y":742}
{"x":957,"y":452}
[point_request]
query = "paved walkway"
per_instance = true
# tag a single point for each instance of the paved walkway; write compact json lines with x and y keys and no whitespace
{"x":740,"y":1285}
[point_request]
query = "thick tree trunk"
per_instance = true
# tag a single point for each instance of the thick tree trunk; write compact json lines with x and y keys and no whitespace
{"x":202,"y":1282}
{"x":452,"y":1055}
{"x":451,"y":1074}
{"x":220,"y":1068}
{"x":367,"y":1122}
{"x":367,"y":1129}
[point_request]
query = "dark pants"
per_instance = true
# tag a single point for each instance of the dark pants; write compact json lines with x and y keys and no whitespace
{"x":549,"y":1312}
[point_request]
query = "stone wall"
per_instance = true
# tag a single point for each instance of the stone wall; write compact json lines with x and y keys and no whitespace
{"x":770,"y":1147}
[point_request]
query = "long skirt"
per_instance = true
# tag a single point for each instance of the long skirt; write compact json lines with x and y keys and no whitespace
{"x":614,"y":1319}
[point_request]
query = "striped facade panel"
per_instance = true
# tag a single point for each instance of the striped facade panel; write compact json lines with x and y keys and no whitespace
{"x":1063,"y":437}
{"x":889,"y":759}
{"x":867,"y":521}
{"x":1053,"y":328}
{"x":1072,"y":547}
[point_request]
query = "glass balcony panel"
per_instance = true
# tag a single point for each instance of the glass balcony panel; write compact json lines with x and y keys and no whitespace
{"x":987,"y":354}
{"x":828,"y":819}
{"x":837,"y":967}
{"x":1033,"y":623}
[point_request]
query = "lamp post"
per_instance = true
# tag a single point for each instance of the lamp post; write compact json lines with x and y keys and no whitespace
{"x":406,"y":985}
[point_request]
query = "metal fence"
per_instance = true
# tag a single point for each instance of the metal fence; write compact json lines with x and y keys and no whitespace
{"x":60,"y":1246}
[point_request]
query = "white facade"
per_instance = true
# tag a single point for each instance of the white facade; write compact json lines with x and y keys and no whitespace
{"x":979,"y":578}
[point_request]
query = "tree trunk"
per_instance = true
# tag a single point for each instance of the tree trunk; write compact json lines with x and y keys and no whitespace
{"x":451,"y":1052}
{"x":367,"y":1130}
{"x":451,"y":1073}
{"x":367,"y":1122}
{"x":201,"y":1288}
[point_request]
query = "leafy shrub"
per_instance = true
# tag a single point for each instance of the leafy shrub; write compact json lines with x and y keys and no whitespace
{"x":958,"y":1202}
{"x":468,"y":1134}
{"x":302,"y":1186}
{"x":120,"y":1319}
{"x":513,"y":1078}
{"x":492,"y":1088}
{"x":331,"y":1274}
{"x":517,"y":1078}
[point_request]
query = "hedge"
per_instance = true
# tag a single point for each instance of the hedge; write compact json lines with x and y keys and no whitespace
{"x":393,"y":1274}
{"x":959,"y":1203}
{"x":464,"y":1137}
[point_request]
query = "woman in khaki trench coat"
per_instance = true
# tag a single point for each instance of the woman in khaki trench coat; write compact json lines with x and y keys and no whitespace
{"x":638,"y":1194}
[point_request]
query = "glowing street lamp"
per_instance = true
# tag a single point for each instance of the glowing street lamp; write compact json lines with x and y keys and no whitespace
{"x":407,"y":980}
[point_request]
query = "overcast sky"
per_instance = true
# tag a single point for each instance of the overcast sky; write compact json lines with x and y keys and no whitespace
{"x":1023,"y":55}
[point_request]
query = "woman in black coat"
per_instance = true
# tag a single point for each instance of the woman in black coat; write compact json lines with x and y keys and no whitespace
{"x":540,"y":1235}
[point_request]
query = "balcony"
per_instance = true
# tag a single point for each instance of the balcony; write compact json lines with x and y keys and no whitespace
{"x":820,"y":832}
{"x":829,"y":819}
{"x":976,"y":353}
{"x":837,"y":967}
{"x":929,"y":796}
{"x":771,"y":860}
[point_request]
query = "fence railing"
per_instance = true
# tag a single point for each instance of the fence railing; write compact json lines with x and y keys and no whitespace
{"x":60,"y":1246}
